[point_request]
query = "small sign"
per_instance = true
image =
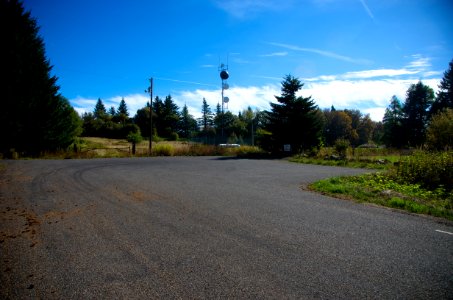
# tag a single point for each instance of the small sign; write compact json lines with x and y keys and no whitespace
{"x":287,"y":148}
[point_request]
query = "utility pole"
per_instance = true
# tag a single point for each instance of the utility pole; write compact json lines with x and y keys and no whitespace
{"x":150,"y":91}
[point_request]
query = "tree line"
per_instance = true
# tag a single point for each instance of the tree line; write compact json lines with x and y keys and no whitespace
{"x":36,"y":118}
{"x":423,"y":117}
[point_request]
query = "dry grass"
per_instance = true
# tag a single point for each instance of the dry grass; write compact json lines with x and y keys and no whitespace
{"x":94,"y":147}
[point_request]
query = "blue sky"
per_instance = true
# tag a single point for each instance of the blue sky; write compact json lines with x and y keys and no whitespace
{"x":349,"y":53}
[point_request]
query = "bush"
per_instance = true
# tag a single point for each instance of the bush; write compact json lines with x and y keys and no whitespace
{"x":173,"y":136}
{"x":439,"y":135}
{"x":341,"y":147}
{"x":430,"y":169}
{"x":163,"y":150}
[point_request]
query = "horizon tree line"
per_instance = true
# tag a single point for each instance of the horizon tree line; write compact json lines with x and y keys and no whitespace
{"x":293,"y":120}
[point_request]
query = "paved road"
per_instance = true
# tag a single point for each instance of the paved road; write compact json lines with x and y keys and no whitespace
{"x":207,"y":228}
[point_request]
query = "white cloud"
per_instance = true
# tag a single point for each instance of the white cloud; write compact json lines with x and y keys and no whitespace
{"x":365,"y":95}
{"x":133,"y":102}
{"x":419,"y":62}
{"x":369,"y":96}
{"x":240,"y":98}
{"x":378,"y":73}
{"x":369,"y":91}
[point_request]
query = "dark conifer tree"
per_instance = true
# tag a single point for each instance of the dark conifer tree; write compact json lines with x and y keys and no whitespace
{"x":34,"y":117}
{"x":122,"y":113}
{"x":99,"y":110}
{"x":393,"y":124}
{"x":187,"y":123}
{"x":294,"y":119}
{"x":206,"y":119}
{"x":419,"y":98}
{"x":444,"y":97}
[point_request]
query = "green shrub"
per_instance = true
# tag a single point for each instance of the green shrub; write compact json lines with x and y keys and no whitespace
{"x":173,"y":136}
{"x":341,"y":147}
{"x":430,"y":169}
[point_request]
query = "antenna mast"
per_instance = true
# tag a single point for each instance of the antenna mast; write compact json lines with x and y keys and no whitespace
{"x":223,"y":69}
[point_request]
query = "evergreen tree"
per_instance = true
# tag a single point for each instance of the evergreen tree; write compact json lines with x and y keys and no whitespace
{"x":294,"y":119}
{"x":34,"y":117}
{"x":122,"y":113}
{"x":158,"y":108}
{"x":112,"y":111}
{"x":393,"y":124}
{"x":206,"y":119}
{"x":419,"y":98}
{"x":99,"y":110}
{"x":444,"y":97}
{"x":187,"y":123}
{"x":169,"y":118}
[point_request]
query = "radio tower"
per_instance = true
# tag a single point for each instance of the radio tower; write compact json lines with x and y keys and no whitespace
{"x":223,"y":69}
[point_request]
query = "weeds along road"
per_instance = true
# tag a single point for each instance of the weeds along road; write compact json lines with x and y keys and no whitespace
{"x":207,"y":227}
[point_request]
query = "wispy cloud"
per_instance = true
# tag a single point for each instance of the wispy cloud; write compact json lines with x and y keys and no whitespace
{"x":185,"y":81}
{"x":242,"y":9}
{"x":419,"y":62}
{"x":419,"y":65}
{"x":323,"y":53}
{"x":284,"y":53}
{"x":208,"y":66}
{"x":367,"y":9}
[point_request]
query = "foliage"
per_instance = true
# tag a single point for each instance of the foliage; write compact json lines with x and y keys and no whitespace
{"x":207,"y":117}
{"x":393,"y":124}
{"x":134,"y":137}
{"x":379,"y":188}
{"x":163,"y":150}
{"x":187,"y":124}
{"x":440,"y":131}
{"x":34,"y":116}
{"x":167,"y":121}
{"x":293,"y":120}
{"x":122,"y":114}
{"x":142,"y":120}
{"x":347,"y":124}
{"x":419,"y":98}
{"x":341,"y":146}
{"x":444,"y":97}
{"x":430,"y":169}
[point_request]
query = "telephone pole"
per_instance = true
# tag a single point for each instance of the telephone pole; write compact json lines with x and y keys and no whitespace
{"x":150,"y":91}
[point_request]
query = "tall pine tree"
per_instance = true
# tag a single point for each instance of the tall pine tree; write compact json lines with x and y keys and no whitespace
{"x":419,"y":98}
{"x":444,"y":97}
{"x":393,"y":124}
{"x":34,"y":116}
{"x":294,"y":120}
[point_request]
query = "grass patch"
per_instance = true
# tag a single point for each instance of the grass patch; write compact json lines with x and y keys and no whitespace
{"x":381,"y":189}
{"x":366,"y":158}
{"x":378,"y":162}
